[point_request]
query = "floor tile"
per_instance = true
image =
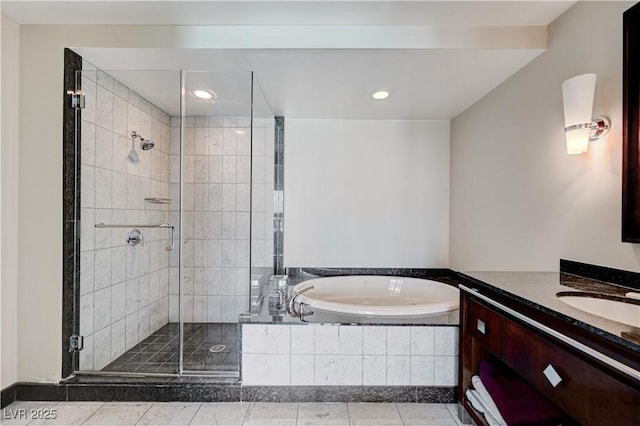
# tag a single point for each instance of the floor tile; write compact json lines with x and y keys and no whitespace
{"x":272,"y":413}
{"x":425,"y":414}
{"x":170,"y":413}
{"x":119,"y":413}
{"x":453,"y":409}
{"x":20,"y":412}
{"x":70,"y":413}
{"x":221,"y":413}
{"x":323,"y":413}
{"x":370,"y":413}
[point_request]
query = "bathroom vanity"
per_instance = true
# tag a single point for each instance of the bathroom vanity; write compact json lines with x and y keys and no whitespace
{"x":587,"y":365}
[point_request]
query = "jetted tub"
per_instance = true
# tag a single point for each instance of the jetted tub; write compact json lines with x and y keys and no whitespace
{"x":375,"y":299}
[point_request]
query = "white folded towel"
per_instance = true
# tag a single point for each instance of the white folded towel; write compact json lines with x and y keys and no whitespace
{"x":475,"y":400}
{"x":487,"y":401}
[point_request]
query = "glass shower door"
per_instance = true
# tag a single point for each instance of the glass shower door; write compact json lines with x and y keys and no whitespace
{"x":125,"y":221}
{"x":215,"y":225}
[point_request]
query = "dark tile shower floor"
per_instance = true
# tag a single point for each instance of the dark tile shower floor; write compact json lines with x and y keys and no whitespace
{"x":159,"y":353}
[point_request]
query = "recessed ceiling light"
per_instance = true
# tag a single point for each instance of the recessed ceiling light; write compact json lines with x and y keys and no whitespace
{"x":203,"y":94}
{"x":240,"y":132}
{"x":380,"y":94}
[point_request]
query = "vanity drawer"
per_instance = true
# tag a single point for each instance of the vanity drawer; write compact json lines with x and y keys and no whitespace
{"x":486,"y":326}
{"x":586,"y":393}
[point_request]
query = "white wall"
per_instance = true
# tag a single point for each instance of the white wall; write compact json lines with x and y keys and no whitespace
{"x":10,"y":74}
{"x":518,"y":201}
{"x":366,"y":193}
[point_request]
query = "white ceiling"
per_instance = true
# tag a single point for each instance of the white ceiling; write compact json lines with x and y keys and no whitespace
{"x":322,"y":59}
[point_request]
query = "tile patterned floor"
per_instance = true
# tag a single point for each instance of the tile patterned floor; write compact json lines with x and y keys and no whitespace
{"x":158,"y":353}
{"x":230,"y":413}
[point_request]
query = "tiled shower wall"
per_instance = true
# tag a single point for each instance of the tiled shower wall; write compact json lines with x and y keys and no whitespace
{"x":333,"y":355}
{"x":124,"y":290}
{"x":217,"y":202}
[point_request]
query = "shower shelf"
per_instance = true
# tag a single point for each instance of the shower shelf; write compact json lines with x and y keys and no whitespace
{"x":156,"y":200}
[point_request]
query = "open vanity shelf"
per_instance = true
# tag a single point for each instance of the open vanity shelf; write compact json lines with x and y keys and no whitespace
{"x":598,"y":383}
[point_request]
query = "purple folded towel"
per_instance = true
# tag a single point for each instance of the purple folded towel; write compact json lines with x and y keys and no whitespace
{"x":519,"y":403}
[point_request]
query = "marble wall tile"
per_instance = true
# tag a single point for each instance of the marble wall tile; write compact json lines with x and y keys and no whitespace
{"x":446,"y":341}
{"x":422,"y":340}
{"x":446,"y":370}
{"x":422,"y":370}
{"x":327,"y":340}
{"x":398,"y":370}
{"x":303,"y":339}
{"x":374,"y":370}
{"x":398,"y":340}
{"x":350,"y":340}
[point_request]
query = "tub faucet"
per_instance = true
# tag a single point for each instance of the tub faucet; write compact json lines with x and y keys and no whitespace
{"x":301,"y":312}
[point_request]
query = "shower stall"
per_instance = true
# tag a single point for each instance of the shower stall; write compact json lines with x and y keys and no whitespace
{"x":176,"y":224}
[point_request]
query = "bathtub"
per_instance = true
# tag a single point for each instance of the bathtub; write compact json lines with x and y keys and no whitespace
{"x":372,"y":299}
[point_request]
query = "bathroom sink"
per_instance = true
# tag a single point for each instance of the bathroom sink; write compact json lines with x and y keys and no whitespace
{"x":615,"y":310}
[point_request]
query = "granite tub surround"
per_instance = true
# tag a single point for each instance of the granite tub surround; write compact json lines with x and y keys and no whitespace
{"x":343,"y":355}
{"x":534,"y":294}
{"x":123,"y":290}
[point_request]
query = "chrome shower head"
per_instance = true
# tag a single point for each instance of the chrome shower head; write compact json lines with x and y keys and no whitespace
{"x":146,"y":144}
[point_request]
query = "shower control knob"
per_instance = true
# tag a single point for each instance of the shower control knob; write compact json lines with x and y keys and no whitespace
{"x":134,"y":237}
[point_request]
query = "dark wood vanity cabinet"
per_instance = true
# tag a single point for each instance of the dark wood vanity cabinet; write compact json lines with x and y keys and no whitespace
{"x":589,"y":392}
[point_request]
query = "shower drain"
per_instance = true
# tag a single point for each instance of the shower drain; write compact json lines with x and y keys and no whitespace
{"x":217,"y":348}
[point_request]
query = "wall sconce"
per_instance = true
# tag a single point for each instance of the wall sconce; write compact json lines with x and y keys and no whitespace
{"x":579,"y":127}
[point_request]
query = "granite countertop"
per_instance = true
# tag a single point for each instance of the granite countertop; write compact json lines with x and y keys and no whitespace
{"x":538,"y":290}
